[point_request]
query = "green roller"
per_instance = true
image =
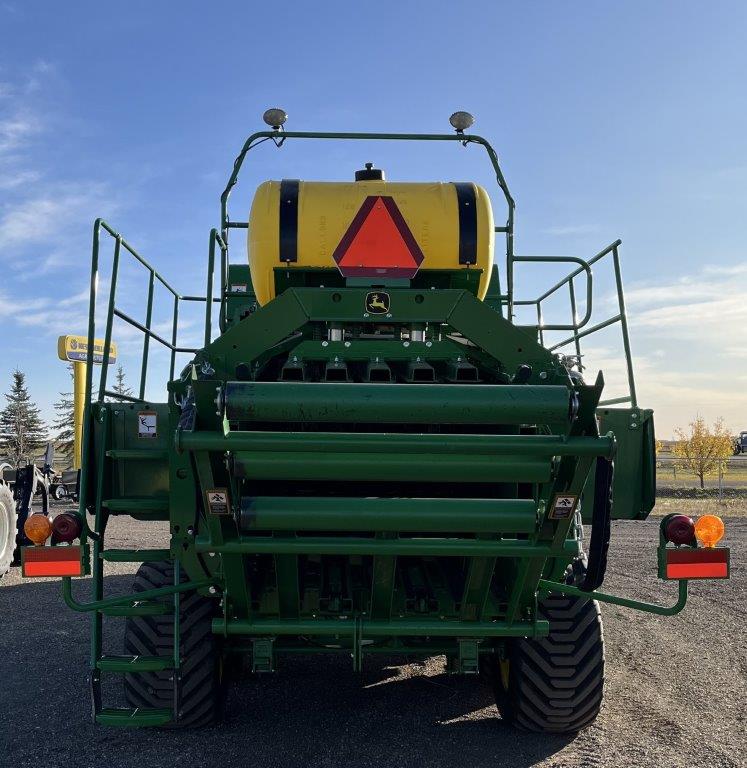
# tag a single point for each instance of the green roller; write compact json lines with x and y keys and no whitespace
{"x":292,"y":513}
{"x":402,"y":404}
{"x":377,"y":467}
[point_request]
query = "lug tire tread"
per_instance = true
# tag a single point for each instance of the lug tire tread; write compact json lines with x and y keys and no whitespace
{"x":201,"y":689}
{"x":556,"y":683}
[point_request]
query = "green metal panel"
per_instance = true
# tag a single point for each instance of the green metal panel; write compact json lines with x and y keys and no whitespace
{"x":634,"y":485}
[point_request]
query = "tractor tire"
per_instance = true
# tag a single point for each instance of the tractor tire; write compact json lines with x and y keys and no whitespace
{"x":8,"y":529}
{"x":555,"y":684}
{"x":202,"y":687}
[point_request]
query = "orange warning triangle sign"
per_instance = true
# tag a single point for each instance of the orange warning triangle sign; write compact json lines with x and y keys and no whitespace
{"x":378,"y":242}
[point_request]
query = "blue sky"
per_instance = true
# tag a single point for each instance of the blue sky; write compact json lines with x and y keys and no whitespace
{"x":611,"y":120}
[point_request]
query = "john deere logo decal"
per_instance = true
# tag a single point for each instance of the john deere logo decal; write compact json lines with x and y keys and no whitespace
{"x":377,"y":303}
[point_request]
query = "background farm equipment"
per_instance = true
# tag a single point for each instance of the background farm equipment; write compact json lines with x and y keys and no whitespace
{"x":370,"y":457}
{"x":20,"y":490}
{"x":740,"y":444}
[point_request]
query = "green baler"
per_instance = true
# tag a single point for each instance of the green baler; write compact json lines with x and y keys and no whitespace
{"x":369,"y":457}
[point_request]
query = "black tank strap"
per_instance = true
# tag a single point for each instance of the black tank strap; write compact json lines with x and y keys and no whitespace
{"x":467,"y":204}
{"x":289,"y":220}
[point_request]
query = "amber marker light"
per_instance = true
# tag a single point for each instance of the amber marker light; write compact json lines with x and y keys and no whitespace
{"x":709,"y":530}
{"x":37,"y":528}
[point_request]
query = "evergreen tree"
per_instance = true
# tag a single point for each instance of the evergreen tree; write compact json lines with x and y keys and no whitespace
{"x":22,"y":431}
{"x":64,"y":423}
{"x":119,"y":383}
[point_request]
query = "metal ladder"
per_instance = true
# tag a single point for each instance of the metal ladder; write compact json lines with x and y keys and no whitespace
{"x":126,"y":664}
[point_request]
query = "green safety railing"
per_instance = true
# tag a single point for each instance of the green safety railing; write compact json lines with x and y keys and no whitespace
{"x":578,"y":327}
{"x":120,"y":245}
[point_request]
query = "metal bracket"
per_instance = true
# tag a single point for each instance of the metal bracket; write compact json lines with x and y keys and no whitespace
{"x":357,"y":641}
{"x":262,"y":654}
{"x":468,"y":661}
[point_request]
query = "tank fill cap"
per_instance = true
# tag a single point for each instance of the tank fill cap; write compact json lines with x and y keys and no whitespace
{"x":369,"y":173}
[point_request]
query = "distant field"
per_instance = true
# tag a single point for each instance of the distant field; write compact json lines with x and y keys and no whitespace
{"x":728,"y":507}
{"x":669,"y":475}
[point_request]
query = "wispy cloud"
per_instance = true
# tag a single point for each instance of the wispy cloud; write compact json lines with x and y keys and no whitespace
{"x":43,"y":218}
{"x":705,"y":306}
{"x":572,"y":230}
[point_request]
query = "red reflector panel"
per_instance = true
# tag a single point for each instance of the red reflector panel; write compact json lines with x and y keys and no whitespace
{"x":378,"y":243}
{"x":51,"y":561}
{"x":698,"y":563}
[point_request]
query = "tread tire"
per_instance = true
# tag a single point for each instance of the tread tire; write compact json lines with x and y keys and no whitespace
{"x":202,"y":689}
{"x":556,"y":683}
{"x":8,"y":529}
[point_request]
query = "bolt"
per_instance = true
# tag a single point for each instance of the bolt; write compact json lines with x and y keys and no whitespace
{"x":325,"y":343}
{"x":543,"y":374}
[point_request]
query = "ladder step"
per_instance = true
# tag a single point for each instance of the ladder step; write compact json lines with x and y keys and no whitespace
{"x":134,"y":717}
{"x":134,"y":555}
{"x":137,"y":453}
{"x":137,"y":504}
{"x":135,"y":663}
{"x":145,"y":608}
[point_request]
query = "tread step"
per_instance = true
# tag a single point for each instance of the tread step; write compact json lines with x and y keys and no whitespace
{"x":144,"y":608}
{"x":134,"y":555}
{"x":137,"y":453}
{"x":135,"y":663}
{"x":136,"y":504}
{"x":134,"y":717}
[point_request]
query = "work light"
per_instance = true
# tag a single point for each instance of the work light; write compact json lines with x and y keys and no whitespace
{"x":460,"y":121}
{"x":275,"y":117}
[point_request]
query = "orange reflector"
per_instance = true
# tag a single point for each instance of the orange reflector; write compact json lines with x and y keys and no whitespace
{"x":710,"y":530}
{"x":51,"y":561}
{"x":37,"y":528}
{"x":697,"y":563}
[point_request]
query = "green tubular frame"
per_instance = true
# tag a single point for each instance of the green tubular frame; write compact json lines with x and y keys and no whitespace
{"x":552,"y":587}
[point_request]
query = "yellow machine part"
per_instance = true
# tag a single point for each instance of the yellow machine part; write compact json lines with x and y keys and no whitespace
{"x":325,"y":211}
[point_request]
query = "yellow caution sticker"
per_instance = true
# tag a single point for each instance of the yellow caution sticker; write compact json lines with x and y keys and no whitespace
{"x":563,"y":506}
{"x":217,"y":501}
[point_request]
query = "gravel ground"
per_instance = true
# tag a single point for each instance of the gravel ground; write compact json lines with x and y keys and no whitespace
{"x":675,"y":691}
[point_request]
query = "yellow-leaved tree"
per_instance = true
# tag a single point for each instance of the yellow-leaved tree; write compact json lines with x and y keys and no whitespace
{"x":701,"y":449}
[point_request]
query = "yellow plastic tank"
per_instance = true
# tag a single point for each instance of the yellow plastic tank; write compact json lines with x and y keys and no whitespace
{"x":369,"y":228}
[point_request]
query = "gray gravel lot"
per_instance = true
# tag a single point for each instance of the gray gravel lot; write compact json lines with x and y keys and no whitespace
{"x":675,"y":695}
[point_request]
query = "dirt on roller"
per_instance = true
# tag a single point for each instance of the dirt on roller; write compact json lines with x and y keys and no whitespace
{"x":675,"y":688}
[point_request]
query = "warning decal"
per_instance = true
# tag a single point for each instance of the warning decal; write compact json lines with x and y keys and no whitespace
{"x":147,"y":424}
{"x":217,"y":499}
{"x":378,"y":243}
{"x":563,"y":507}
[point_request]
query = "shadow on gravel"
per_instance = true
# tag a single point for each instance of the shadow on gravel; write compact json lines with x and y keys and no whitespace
{"x":314,"y":711}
